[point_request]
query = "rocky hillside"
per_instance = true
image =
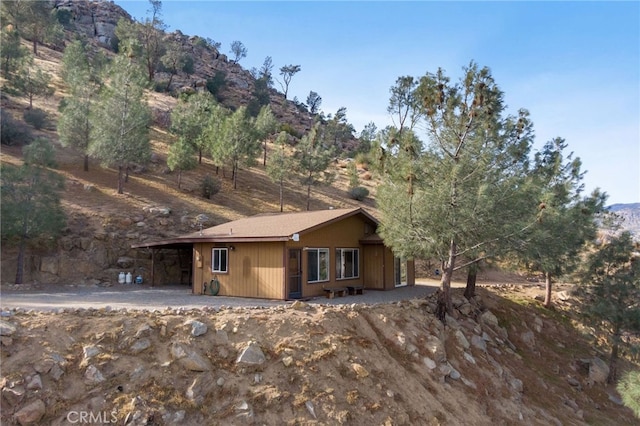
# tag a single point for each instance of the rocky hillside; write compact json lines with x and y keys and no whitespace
{"x":102,"y":225}
{"x":630,"y":214}
{"x":96,"y":20}
{"x":495,"y":362}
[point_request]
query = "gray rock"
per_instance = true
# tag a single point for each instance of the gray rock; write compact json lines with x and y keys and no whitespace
{"x":13,"y":395}
{"x":190,"y":359}
{"x":469,"y":357}
{"x":93,"y":376}
{"x":198,"y":328}
{"x":31,"y":414}
{"x":529,"y":339}
{"x":7,"y":328}
{"x":140,"y":345}
{"x":35,"y":383}
{"x":200,"y":388}
{"x":310,"y":408}
{"x":251,"y":355}
{"x":436,"y":349}
{"x":462,"y":340}
{"x":56,"y":372}
{"x":125,"y":262}
{"x":431,"y":364}
{"x":598,"y":371}
{"x":479,"y":342}
{"x":489,"y":319}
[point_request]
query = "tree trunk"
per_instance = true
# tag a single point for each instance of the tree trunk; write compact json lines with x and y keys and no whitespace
{"x":281,"y":196}
{"x":86,"y":163}
{"x":264,"y":160}
{"x":470,"y":289}
{"x":20,"y":268}
{"x":120,"y":180}
{"x":445,"y":304}
{"x":308,"y":196}
{"x":234,"y":175}
{"x":200,"y":156}
{"x":547,"y":291}
{"x":126,"y":175}
{"x":179,"y":178}
{"x":613,"y":357}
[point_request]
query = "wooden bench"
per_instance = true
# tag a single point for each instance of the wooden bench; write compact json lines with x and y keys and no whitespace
{"x":333,"y":291}
{"x":355,"y":289}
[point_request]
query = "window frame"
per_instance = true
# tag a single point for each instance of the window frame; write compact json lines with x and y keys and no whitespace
{"x":226,"y":260}
{"x":318,"y":250}
{"x":340,"y":264}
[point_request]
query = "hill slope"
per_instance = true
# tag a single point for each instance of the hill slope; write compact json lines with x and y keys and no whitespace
{"x":391,"y":364}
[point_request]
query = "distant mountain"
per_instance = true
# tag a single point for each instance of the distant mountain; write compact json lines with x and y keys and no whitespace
{"x":630,"y":213}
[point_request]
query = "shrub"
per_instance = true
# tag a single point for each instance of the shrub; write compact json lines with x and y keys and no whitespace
{"x":286,"y":127}
{"x":215,"y":84}
{"x":629,"y":388}
{"x":210,"y":187}
{"x":36,"y":117}
{"x":13,"y":132}
{"x":358,"y":193}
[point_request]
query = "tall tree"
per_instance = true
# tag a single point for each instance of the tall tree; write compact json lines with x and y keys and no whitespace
{"x":190,"y":118}
{"x":466,"y":193}
{"x":80,"y":71}
{"x":337,"y":130}
{"x":144,"y":40}
{"x":12,"y":54}
{"x":181,"y":157}
{"x":34,"y":20}
{"x":31,"y":208}
{"x":238,"y":50}
{"x":566,"y":220}
{"x":404,"y":105}
{"x":287,"y":72}
{"x":33,"y":82}
{"x":313,"y":161}
{"x":280,"y":165}
{"x":265,"y":125}
{"x":174,"y":60}
{"x":238,"y":140}
{"x":120,"y":132}
{"x":612,"y":290}
{"x":313,"y":102}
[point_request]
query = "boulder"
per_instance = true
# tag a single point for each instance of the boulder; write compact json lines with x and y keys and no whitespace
{"x":31,"y":414}
{"x":251,"y":355}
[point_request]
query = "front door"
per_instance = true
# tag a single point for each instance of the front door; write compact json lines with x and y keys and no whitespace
{"x":294,"y":273}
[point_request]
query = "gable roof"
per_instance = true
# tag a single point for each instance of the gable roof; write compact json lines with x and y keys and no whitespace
{"x":265,"y":227}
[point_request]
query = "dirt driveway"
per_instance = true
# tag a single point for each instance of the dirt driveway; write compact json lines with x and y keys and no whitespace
{"x":145,"y":297}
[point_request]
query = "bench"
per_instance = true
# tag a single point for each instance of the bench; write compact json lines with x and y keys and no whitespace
{"x":355,"y":289}
{"x":333,"y":291}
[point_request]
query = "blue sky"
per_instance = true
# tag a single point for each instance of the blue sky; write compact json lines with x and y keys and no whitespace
{"x":574,"y":65}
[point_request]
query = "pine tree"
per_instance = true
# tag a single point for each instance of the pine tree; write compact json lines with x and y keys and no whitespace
{"x":280,"y":165}
{"x":313,"y":161}
{"x":31,"y":209}
{"x":120,"y":133}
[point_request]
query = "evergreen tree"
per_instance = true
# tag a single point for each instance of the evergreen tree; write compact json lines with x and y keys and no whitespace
{"x":34,"y":20}
{"x":32,"y":82}
{"x":181,"y":157}
{"x":280,"y":165}
{"x":80,"y":73}
{"x":612,"y":290}
{"x":287,"y":72}
{"x":12,"y":54}
{"x":464,"y":195}
{"x":190,"y":118}
{"x":313,"y":161}
{"x":629,"y":388}
{"x":566,"y":218}
{"x":120,"y":133}
{"x":31,"y":209}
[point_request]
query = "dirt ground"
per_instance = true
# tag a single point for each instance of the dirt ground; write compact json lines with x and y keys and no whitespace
{"x":353,"y":363}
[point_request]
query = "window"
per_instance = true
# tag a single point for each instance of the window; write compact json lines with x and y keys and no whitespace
{"x":219,"y":260}
{"x":347,"y":265}
{"x":318,"y":265}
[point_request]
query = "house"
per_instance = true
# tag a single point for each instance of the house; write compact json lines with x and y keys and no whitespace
{"x":292,"y":255}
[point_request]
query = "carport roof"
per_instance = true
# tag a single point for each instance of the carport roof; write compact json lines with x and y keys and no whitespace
{"x":263,"y":227}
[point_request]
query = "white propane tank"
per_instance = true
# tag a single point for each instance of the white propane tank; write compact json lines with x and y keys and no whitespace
{"x":121,"y":278}
{"x":129,"y":278}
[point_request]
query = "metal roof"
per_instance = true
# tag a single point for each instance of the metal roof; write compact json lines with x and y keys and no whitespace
{"x":264,"y":227}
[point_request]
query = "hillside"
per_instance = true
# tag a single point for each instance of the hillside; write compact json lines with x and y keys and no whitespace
{"x":501,"y":359}
{"x":630,"y":214}
{"x":102,"y":225}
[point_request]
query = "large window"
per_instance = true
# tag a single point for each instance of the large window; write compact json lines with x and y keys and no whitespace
{"x":318,"y":265}
{"x":219,"y":260}
{"x":347,"y":265}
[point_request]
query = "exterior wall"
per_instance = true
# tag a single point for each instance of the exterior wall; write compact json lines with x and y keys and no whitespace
{"x":343,"y":234}
{"x":259,"y":269}
{"x":254,"y":270}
